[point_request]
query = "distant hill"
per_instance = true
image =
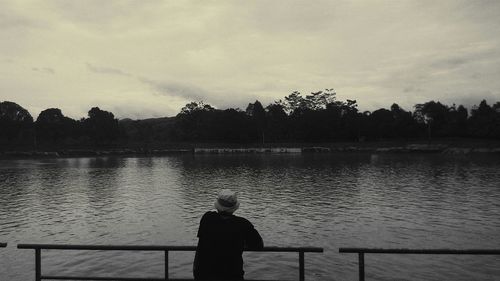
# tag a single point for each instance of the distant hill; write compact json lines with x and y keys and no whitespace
{"x":151,"y":128}
{"x":148,"y":120}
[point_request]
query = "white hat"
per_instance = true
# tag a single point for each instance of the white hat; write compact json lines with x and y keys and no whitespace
{"x":226,"y":201}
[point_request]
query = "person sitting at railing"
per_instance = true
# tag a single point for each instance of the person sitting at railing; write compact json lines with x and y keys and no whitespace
{"x":222,"y":239}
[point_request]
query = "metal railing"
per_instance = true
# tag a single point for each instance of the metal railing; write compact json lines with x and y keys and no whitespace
{"x":362,"y":251}
{"x":166,"y":249}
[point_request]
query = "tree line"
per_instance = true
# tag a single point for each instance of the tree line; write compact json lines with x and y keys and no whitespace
{"x":316,"y":117}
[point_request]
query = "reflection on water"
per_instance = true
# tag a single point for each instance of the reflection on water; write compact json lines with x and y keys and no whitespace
{"x":329,"y":200}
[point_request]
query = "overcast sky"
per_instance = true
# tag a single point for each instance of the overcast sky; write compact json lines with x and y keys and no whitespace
{"x":142,"y":59}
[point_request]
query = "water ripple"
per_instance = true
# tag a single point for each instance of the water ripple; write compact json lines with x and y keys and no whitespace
{"x":330,"y":201}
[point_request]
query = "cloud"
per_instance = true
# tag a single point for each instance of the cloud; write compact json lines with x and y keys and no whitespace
{"x":471,"y":99}
{"x":106,"y":70}
{"x":46,"y":70}
{"x":159,"y":87}
{"x":162,"y":54}
{"x":186,"y":91}
{"x":7,"y":60}
{"x":104,"y":16}
{"x":13,"y":17}
{"x":11,"y":20}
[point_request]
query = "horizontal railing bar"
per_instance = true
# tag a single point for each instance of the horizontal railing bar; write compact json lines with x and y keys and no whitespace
{"x":106,"y":247}
{"x":101,"y":278}
{"x":126,"y":278}
{"x":422,"y":251}
{"x":3,"y":245}
{"x":154,"y":248}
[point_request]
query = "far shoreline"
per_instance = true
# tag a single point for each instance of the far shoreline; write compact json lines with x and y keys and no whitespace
{"x":439,"y":146}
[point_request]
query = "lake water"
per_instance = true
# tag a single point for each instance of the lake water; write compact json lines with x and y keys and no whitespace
{"x":322,"y":200}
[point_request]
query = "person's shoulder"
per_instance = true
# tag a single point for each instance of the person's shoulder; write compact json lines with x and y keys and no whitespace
{"x":208,"y":215}
{"x":243,"y":220}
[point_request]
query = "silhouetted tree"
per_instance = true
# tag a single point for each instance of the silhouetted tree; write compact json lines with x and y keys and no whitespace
{"x":293,"y":102}
{"x":16,"y":124}
{"x":462,"y":116}
{"x":196,"y":106}
{"x":333,"y":112}
{"x":484,"y":121}
{"x":277,"y":123}
{"x":232,"y":125}
{"x":382,"y":120}
{"x":319,"y":117}
{"x":52,"y":127}
{"x":404,"y":125}
{"x":258,"y":116}
{"x":195,"y":122}
{"x":457,"y":121}
{"x":350,"y":118}
{"x":435,"y":115}
{"x":101,"y":126}
{"x":319,"y":100}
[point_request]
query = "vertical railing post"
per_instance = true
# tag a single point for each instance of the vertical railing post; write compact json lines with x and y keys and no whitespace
{"x":301,"y":266}
{"x":361,"y":258}
{"x":38,"y":264}
{"x":166,"y":265}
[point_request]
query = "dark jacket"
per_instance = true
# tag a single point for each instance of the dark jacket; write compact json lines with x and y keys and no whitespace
{"x":222,"y":238}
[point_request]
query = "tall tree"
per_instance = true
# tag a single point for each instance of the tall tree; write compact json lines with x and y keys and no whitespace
{"x":52,"y":126}
{"x":277,"y":122}
{"x":101,"y":126}
{"x":258,"y":116}
{"x":294,"y":101}
{"x":383,"y":123}
{"x":435,"y":115}
{"x":196,"y":106}
{"x":195,"y":122}
{"x":404,"y":125}
{"x":15,"y":124}
{"x":482,"y":120}
{"x":319,"y":100}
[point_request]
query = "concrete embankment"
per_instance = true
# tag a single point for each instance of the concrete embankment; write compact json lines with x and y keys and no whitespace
{"x":91,"y":153}
{"x":247,"y":150}
{"x":411,"y":148}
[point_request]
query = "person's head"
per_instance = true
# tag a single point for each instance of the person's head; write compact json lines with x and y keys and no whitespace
{"x":226,"y":202}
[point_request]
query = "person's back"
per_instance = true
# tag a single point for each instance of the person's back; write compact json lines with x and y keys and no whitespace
{"x":222,"y":239}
